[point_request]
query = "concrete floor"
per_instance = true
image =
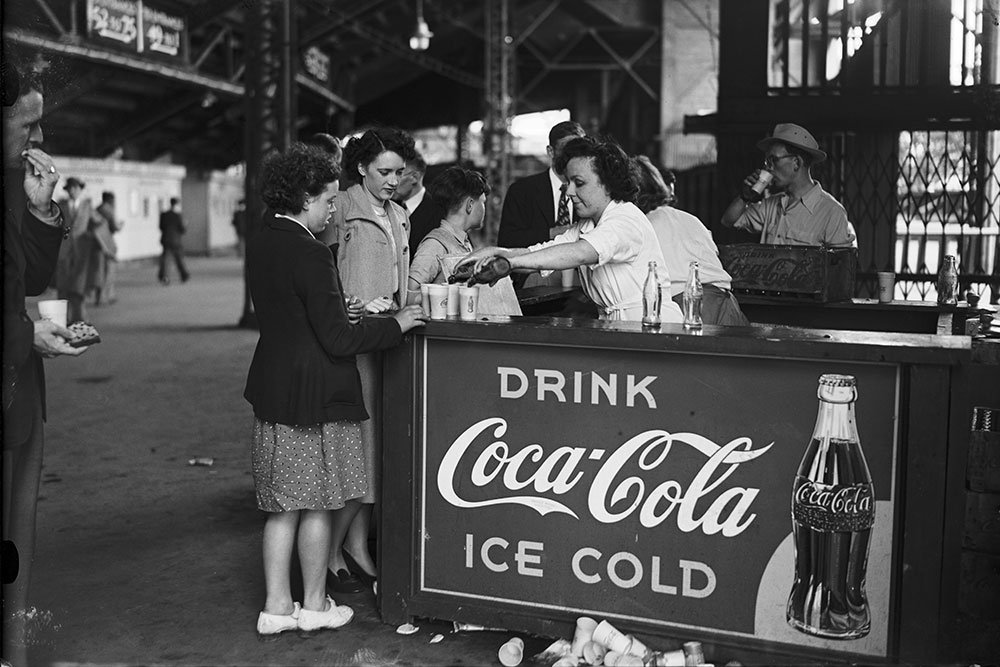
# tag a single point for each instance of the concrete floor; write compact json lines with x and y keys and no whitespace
{"x":143,"y":559}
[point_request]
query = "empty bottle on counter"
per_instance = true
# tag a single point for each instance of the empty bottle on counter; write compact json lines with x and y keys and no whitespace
{"x":693,"y":295}
{"x":947,"y":284}
{"x":652,"y":296}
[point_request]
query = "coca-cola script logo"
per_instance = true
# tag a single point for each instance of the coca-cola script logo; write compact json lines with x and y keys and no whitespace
{"x":785,"y":271}
{"x":609,"y":499}
{"x":833,"y":508}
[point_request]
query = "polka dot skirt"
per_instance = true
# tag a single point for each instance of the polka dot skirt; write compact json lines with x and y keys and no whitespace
{"x":317,"y":467}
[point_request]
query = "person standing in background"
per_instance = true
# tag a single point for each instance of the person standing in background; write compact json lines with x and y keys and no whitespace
{"x":172,"y":239}
{"x":240,"y":225}
{"x":800,"y":212}
{"x":107,"y":260}
{"x":684,"y":239}
{"x":74,"y":273}
{"x":370,"y":233}
{"x":537,"y":208}
{"x":309,"y":467}
{"x":411,"y":194}
{"x":33,"y":230}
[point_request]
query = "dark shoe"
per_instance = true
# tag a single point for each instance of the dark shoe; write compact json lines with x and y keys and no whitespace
{"x":186,"y":278}
{"x":343,"y":581}
{"x":357,"y":570}
{"x":165,"y":281}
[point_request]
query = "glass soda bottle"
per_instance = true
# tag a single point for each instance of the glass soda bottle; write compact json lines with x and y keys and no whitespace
{"x":652,"y":296}
{"x":833,"y":511}
{"x":693,"y":295}
{"x":947,"y":284}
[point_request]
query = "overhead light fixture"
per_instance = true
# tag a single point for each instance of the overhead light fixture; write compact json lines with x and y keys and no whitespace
{"x":422,"y":34}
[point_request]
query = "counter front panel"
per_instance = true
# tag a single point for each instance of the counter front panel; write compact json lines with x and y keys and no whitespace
{"x":649,"y":487}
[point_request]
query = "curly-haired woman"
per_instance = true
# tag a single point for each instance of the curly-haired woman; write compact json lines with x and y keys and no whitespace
{"x":371,"y":233}
{"x":612,"y":242}
{"x":308,"y":466}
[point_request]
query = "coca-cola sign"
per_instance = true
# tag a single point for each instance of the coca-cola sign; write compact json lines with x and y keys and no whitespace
{"x":644,"y":486}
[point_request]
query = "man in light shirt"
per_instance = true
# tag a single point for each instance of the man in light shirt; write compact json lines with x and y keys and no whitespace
{"x":800,"y":212}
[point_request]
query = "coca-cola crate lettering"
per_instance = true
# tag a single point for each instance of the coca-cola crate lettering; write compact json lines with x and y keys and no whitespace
{"x":801,"y":273}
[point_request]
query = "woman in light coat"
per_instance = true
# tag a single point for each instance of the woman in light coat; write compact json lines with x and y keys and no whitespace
{"x":372,"y":235}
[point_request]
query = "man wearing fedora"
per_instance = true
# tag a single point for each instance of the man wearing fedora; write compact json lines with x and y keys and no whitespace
{"x":73,"y":273}
{"x":800,"y":212}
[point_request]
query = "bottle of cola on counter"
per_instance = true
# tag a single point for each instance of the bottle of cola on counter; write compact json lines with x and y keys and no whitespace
{"x":652,"y":297}
{"x":493,"y":270}
{"x":694,"y":292}
{"x":947,"y":283}
{"x":833,"y":511}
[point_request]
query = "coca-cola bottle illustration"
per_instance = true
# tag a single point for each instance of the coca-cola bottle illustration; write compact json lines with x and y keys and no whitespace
{"x":833,"y":511}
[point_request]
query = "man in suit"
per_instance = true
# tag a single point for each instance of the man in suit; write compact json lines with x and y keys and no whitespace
{"x":172,"y":239}
{"x":424,"y":214}
{"x":536,"y":208}
{"x":75,"y":272}
{"x":33,"y":230}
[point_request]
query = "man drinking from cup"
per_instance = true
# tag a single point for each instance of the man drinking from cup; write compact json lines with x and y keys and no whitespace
{"x":799,"y":212}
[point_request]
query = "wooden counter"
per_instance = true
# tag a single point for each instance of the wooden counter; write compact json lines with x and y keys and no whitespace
{"x":515,"y":494}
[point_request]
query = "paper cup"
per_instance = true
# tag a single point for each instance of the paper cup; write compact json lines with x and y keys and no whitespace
{"x":425,"y":298}
{"x":671,"y":659}
{"x":468,"y":301}
{"x":438,"y":295}
{"x":568,"y":277}
{"x":610,"y":637}
{"x":616,"y":659}
{"x":511,"y":652}
{"x":764,"y":179}
{"x":636,"y":647}
{"x":53,"y":310}
{"x":593,"y":653}
{"x":886,"y":286}
{"x":583,"y":634}
{"x":453,"y":305}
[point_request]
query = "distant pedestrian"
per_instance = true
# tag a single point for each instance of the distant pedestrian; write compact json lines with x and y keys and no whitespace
{"x":309,"y":465}
{"x":172,"y":231}
{"x":240,"y":225}
{"x":106,"y":260}
{"x":74,"y":275}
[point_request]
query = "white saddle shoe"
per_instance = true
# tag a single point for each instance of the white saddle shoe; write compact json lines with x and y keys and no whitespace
{"x":334,"y":617}
{"x":273,"y":624}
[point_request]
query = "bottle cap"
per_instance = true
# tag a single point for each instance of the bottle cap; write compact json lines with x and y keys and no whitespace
{"x":835,"y":388}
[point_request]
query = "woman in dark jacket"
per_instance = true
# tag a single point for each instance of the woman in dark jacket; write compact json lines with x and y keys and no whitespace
{"x":304,"y":386}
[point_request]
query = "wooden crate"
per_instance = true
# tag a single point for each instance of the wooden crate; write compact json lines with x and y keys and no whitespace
{"x":797,"y":273}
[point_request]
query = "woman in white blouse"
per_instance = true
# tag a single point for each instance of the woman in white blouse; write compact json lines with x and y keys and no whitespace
{"x":612,"y":242}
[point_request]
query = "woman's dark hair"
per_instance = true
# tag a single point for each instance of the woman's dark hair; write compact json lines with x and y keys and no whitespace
{"x":328,"y":143}
{"x":610,"y":163}
{"x":453,"y":185}
{"x":287,"y":178}
{"x":364,"y":149}
{"x":653,"y":192}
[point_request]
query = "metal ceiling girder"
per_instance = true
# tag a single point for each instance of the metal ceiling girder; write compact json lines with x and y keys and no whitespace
{"x":51,"y":15}
{"x":154,"y":114}
{"x":321,"y":31}
{"x":212,"y":43}
{"x":208,"y":10}
{"x":539,"y":20}
{"x":423,"y":60}
{"x":547,"y":66}
{"x":325,"y":93}
{"x":627,"y":64}
{"x":103,"y":56}
{"x":72,"y":91}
